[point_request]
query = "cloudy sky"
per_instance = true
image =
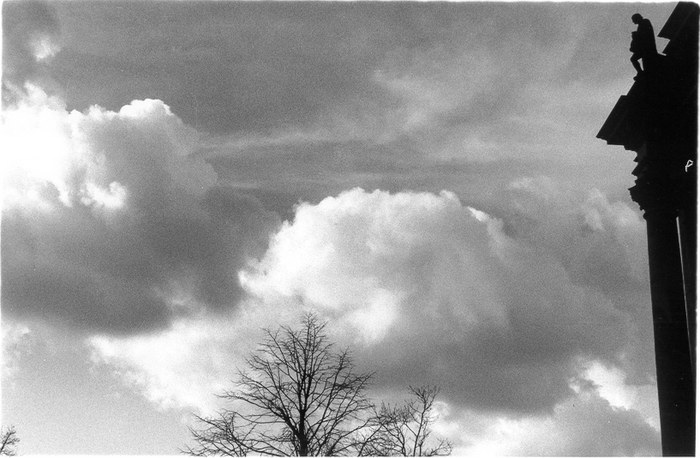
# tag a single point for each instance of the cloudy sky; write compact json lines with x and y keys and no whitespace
{"x":426,"y":177}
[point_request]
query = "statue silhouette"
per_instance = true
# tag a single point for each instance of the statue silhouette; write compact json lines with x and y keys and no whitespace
{"x":643,"y":44}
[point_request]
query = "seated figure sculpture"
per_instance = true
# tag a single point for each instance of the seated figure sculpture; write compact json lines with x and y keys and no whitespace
{"x":643,"y":44}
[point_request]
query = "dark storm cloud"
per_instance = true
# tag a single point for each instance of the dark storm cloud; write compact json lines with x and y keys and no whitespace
{"x":238,"y":66}
{"x":242,"y":66}
{"x":73,"y":269}
{"x":65,"y":291}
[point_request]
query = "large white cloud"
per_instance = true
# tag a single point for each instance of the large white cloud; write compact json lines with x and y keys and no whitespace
{"x":111,"y":222}
{"x":366,"y":254}
{"x":436,"y":290}
{"x":97,"y":157}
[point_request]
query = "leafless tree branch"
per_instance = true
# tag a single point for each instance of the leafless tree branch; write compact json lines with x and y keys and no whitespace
{"x":405,"y":430}
{"x":8,"y":441}
{"x":297,"y":396}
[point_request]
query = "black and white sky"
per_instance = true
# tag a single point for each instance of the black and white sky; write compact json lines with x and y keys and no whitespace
{"x":424,"y":176}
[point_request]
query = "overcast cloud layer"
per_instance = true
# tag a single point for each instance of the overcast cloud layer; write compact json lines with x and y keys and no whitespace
{"x":423,"y":176}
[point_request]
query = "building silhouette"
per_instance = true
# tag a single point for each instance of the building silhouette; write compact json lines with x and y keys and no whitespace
{"x":658,"y":119}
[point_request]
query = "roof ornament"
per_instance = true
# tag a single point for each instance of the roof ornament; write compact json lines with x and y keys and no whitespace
{"x":643,"y":45}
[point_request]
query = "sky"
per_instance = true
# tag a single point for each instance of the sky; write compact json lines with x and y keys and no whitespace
{"x":425,"y":177}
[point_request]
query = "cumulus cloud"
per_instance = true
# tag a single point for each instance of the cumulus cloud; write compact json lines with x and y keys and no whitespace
{"x":111,"y":223}
{"x":428,"y":290}
{"x":601,"y":245}
{"x":497,"y":320}
{"x":425,"y":289}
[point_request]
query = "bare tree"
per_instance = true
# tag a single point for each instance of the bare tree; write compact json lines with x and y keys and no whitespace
{"x":8,"y":441}
{"x":297,"y":398}
{"x":405,"y":430}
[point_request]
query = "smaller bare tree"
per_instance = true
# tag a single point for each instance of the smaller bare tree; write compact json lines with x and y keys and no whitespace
{"x":405,"y":430}
{"x":8,"y":441}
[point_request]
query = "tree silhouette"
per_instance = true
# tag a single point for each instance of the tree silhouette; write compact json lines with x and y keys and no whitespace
{"x":405,"y":430}
{"x":298,"y":397}
{"x":8,"y":441}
